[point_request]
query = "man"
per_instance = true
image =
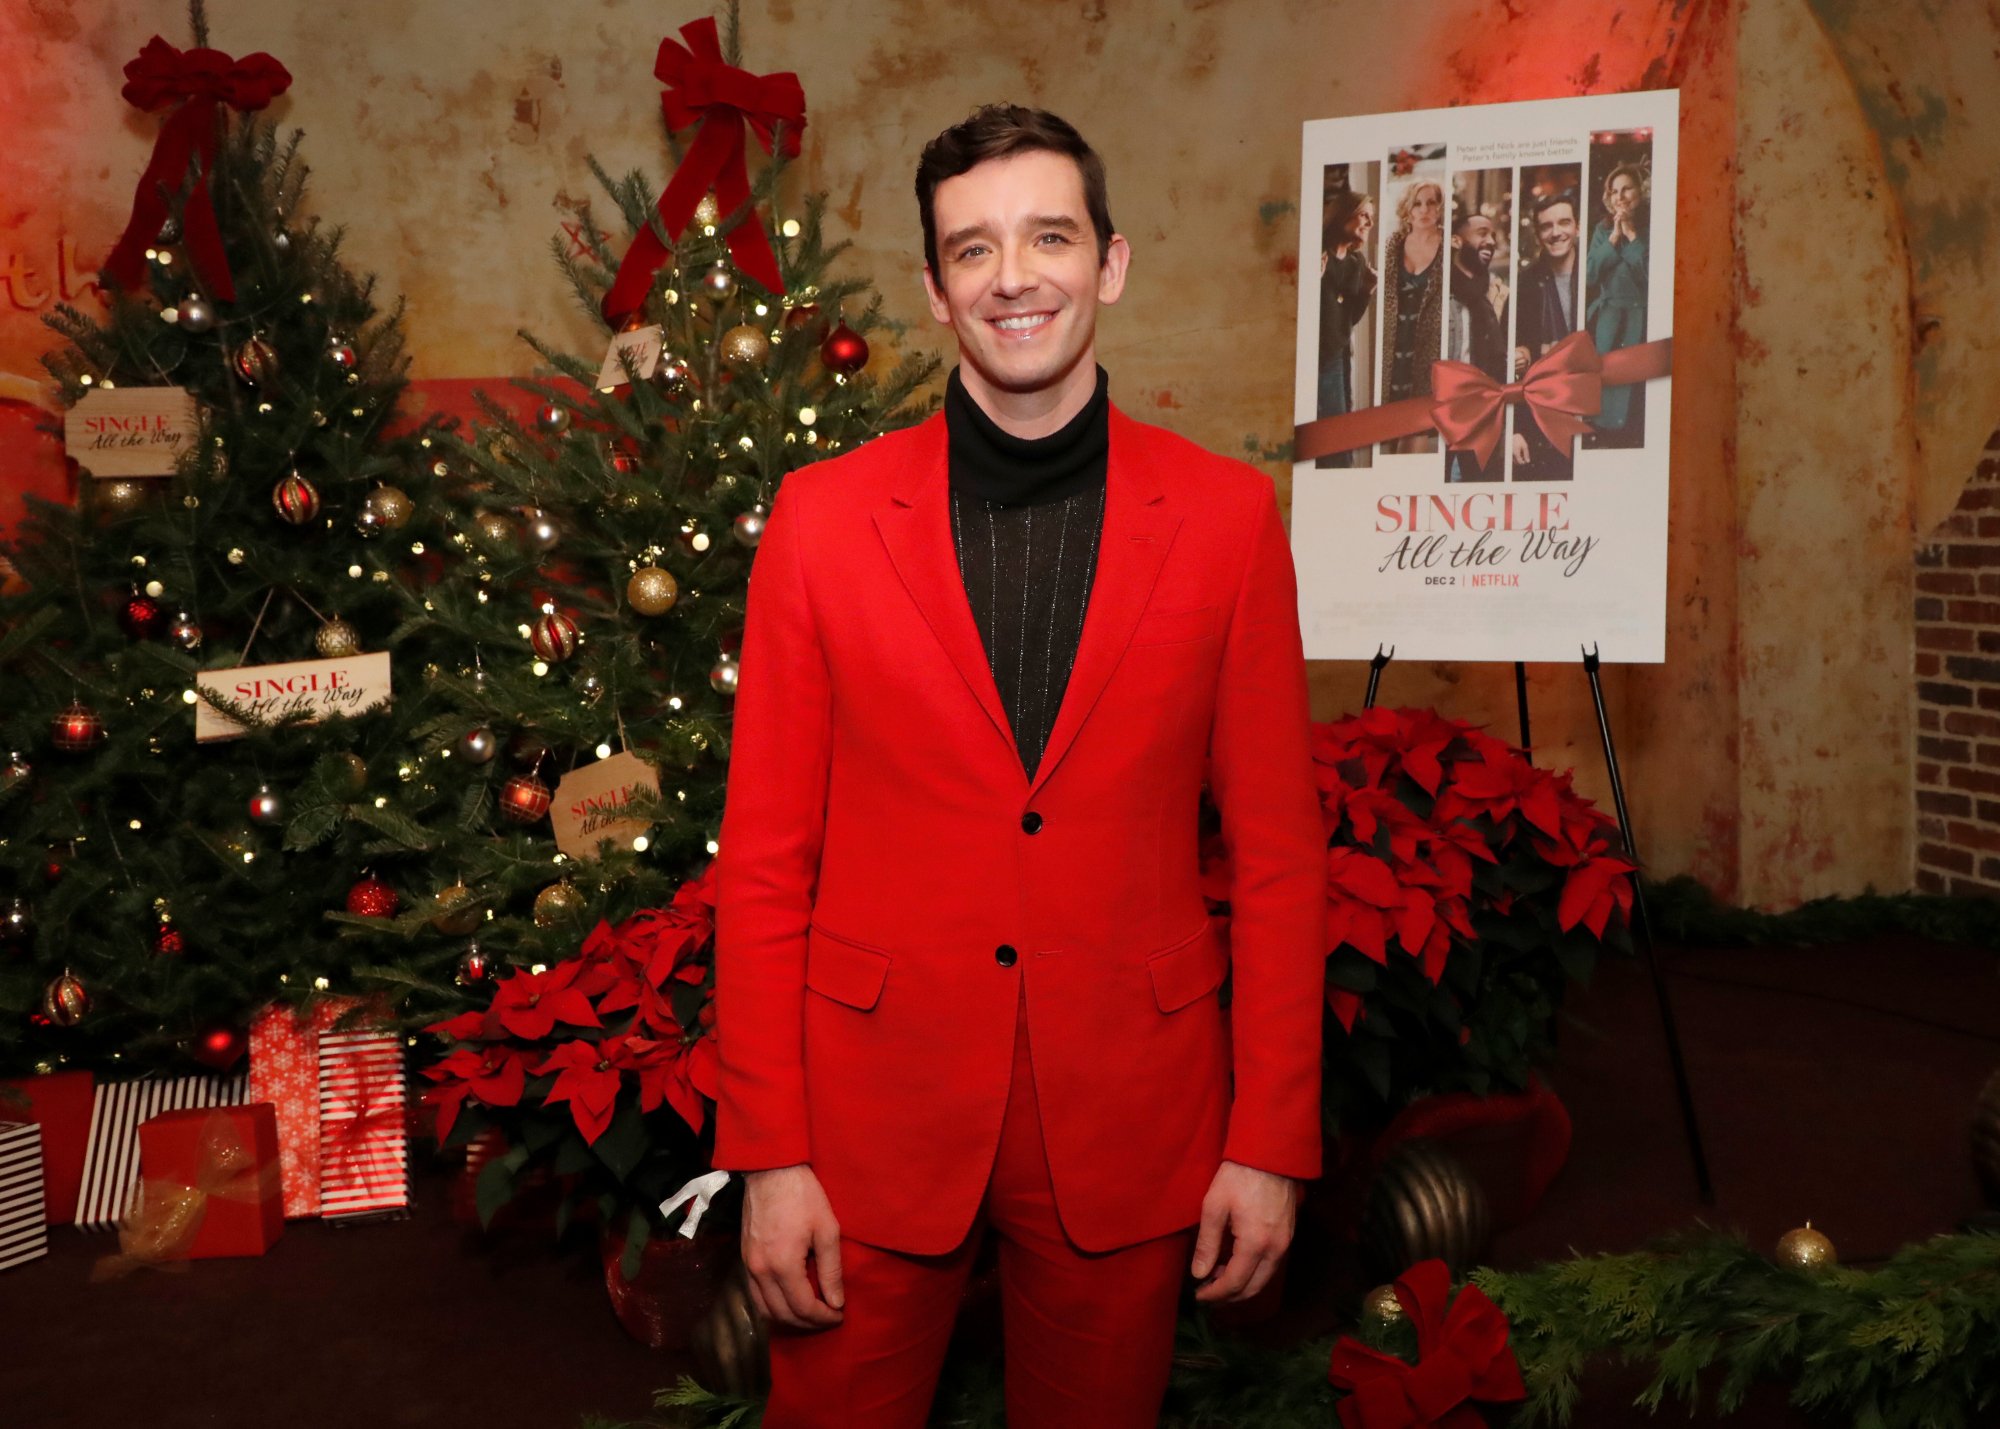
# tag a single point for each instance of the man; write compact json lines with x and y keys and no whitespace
{"x":1477,"y":331}
{"x":1548,"y":315}
{"x":965,"y":974}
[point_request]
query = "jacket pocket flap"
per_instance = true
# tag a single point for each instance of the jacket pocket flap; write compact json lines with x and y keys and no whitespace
{"x":1190,"y":969}
{"x":1171,"y":627}
{"x":844,"y":970}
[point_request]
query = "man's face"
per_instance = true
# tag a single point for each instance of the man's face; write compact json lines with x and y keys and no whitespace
{"x":1018,"y":276}
{"x":1475,"y":243}
{"x":1555,"y":226}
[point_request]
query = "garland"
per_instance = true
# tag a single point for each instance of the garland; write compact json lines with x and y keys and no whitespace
{"x":1914,"y":1344}
{"x":1683,"y":911}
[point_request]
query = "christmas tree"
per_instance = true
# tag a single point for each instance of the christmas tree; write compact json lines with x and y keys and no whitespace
{"x":242,"y":504}
{"x":603,"y":544}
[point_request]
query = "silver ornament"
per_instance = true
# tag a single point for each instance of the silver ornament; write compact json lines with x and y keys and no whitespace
{"x":340,"y":352}
{"x":722,"y":678}
{"x":196,"y":315}
{"x":184,"y":633}
{"x":266,"y":808}
{"x":477,"y":745}
{"x":718,"y":284}
{"x":368,"y":521}
{"x":543,"y":533}
{"x":17,"y":921}
{"x":750,"y":527}
{"x":282,"y":241}
{"x":552,"y":418}
{"x":591,"y":688}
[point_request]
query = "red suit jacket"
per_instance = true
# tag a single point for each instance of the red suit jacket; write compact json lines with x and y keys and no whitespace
{"x":889,"y":874}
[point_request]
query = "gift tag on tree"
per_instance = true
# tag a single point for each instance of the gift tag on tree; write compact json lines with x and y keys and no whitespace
{"x":642,"y":345}
{"x":131,"y":431}
{"x":351,"y":685}
{"x":594,"y":803}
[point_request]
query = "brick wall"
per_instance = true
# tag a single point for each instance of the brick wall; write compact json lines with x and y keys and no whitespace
{"x":1958,"y":693}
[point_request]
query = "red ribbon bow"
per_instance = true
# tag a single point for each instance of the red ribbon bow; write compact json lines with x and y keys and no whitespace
{"x":722,"y":99}
{"x":363,"y":1149}
{"x":1562,"y":389}
{"x":200,"y":81}
{"x":1462,"y":1355}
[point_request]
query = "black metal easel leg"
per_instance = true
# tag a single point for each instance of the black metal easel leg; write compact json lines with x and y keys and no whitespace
{"x":1375,"y":668}
{"x":1643,"y":928}
{"x":1521,"y":704}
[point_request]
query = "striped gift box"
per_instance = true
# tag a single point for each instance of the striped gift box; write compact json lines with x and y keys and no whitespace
{"x":24,"y":1223}
{"x":364,"y":1140}
{"x":111,"y":1159}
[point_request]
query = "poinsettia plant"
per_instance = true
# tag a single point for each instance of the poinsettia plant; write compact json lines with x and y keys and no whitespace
{"x":598,"y":1071}
{"x":1466,"y":889}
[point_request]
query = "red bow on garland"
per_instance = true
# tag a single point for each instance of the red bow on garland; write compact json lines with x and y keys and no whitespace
{"x":1462,"y":1355}
{"x":201,"y":81}
{"x":722,"y":99}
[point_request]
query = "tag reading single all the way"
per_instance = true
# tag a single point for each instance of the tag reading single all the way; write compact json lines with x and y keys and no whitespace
{"x":644,"y":344}
{"x":131,"y":431}
{"x":593,"y":803}
{"x":314,"y":688}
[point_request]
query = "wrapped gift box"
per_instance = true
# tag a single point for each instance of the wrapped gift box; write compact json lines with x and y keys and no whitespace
{"x":111,"y":1159}
{"x":24,"y":1227}
{"x":60,"y":1104}
{"x":284,"y":1071}
{"x":226,"y":1158}
{"x":364,"y":1133}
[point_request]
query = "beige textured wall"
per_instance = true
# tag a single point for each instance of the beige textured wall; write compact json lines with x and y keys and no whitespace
{"x":451,"y":139}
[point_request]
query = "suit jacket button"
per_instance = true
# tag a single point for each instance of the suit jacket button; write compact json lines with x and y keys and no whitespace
{"x":1031,"y":822}
{"x":1004,"y":955}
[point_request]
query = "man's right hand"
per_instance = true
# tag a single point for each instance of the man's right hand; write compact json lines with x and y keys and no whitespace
{"x":786,"y":1216}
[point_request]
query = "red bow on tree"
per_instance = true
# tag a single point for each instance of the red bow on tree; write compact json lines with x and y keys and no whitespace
{"x":200,"y":81}
{"x":1462,"y":1355}
{"x":722,"y":99}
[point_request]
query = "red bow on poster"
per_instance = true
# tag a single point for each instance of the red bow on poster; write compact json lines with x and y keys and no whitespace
{"x":1562,"y":390}
{"x":200,"y":81}
{"x":722,"y":99}
{"x":1462,"y":1355}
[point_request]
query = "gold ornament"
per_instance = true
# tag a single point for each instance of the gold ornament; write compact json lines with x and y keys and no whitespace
{"x":557,"y":902}
{"x":494,"y":530}
{"x":66,"y":1000}
{"x":732,"y":1351}
{"x":1423,"y":1204}
{"x":707,"y":213}
{"x":458,"y":911}
{"x":744,"y":347}
{"x":356,"y":770}
{"x":652,"y":591}
{"x":1806,"y":1249}
{"x":392,"y":506}
{"x":1381,"y":1305}
{"x":120,"y":497}
{"x":337,"y":640}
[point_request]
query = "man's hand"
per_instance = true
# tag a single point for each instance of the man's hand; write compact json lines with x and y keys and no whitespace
{"x":1520,"y":445}
{"x":786,"y":1216}
{"x":1257,"y":1209}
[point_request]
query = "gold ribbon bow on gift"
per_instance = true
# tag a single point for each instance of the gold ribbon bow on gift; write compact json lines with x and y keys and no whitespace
{"x":166,"y":1215}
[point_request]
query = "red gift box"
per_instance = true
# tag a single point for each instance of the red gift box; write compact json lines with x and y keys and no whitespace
{"x":60,"y":1104}
{"x":226,"y":1160}
{"x":284,"y":1071}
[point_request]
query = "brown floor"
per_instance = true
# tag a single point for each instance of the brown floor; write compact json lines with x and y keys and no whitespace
{"x":1834,"y":1083}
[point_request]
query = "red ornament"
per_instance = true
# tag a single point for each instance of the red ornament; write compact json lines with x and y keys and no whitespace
{"x":372,"y":898}
{"x":77,"y":729}
{"x":524,"y":799}
{"x":844,"y":351}
{"x":141,"y":616}
{"x":219,"y":1046}
{"x":66,"y":1000}
{"x":295,"y":499}
{"x":554,"y":636}
{"x":801,"y":315}
{"x":168,"y":941}
{"x":474,"y":966}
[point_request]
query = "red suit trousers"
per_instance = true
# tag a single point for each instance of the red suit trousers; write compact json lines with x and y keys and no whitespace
{"x":1089,"y":1337}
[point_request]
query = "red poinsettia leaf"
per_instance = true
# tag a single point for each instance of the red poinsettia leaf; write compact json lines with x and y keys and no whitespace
{"x":501,"y":1079}
{"x":684,"y":1099}
{"x":449,"y":1101}
{"x":466,"y":1027}
{"x":1364,"y":876}
{"x":1414,"y":921}
{"x":1541,"y":807}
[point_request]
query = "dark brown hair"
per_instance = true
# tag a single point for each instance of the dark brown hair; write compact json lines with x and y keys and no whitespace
{"x":993,"y":132}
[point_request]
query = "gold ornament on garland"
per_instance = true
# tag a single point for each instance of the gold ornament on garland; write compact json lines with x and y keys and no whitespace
{"x":65,"y":1000}
{"x":652,"y":591}
{"x":337,"y":640}
{"x":1806,"y":1249}
{"x":1382,"y":1306}
{"x":458,"y":911}
{"x":744,"y":347}
{"x":557,"y":902}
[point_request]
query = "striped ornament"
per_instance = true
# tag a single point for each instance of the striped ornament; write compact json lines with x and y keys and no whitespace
{"x":111,"y":1156}
{"x":554,"y":637}
{"x":295,"y":499}
{"x":24,"y":1222}
{"x":364,"y":1170}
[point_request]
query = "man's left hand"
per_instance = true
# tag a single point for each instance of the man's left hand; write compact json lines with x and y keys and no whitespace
{"x":1256,"y":1209}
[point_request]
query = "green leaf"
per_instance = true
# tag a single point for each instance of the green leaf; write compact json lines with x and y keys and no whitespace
{"x":623,"y":1142}
{"x":638,"y":1231}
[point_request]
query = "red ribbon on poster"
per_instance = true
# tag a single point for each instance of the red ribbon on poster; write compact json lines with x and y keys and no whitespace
{"x":722,"y":99}
{"x":1462,"y":1356}
{"x":200,"y":81}
{"x":1561,"y":391}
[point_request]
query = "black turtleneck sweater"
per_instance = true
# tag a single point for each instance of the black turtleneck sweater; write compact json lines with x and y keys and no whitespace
{"x":1026,"y":514}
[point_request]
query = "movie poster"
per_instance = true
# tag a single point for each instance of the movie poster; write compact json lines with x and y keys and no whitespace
{"x":1484,"y":380}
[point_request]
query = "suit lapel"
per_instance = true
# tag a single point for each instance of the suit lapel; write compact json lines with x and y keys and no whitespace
{"x":1139,"y":525}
